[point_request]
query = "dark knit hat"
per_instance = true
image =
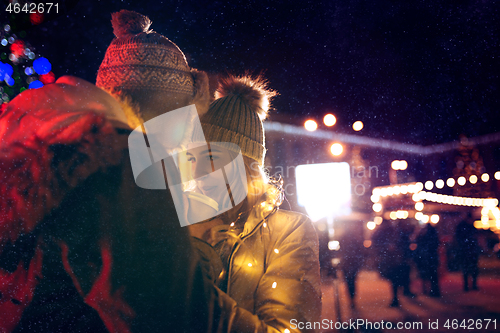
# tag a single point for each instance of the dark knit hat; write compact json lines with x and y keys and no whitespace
{"x":139,"y":58}
{"x":237,"y":113}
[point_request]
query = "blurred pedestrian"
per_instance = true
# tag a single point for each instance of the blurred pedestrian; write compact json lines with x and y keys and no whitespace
{"x":468,"y":250}
{"x":427,"y":259}
{"x":390,"y":245}
{"x":352,"y":256}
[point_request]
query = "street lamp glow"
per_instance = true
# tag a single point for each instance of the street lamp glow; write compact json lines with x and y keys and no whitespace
{"x":461,"y":180}
{"x":434,"y":218}
{"x":329,"y":120}
{"x":371,"y":225}
{"x":439,"y":183}
{"x":399,"y":165}
{"x":497,"y":175}
{"x":336,"y":149}
{"x":357,"y":126}
{"x":311,"y":125}
{"x":429,"y":185}
{"x":473,"y":179}
{"x":485,"y":177}
{"x":450,"y":182}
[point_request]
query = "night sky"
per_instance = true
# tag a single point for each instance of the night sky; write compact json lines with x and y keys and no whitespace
{"x":413,"y":71}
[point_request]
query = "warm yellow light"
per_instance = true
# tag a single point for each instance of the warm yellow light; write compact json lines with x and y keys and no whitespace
{"x":357,"y":126}
{"x":425,"y":218}
{"x":419,"y":215}
{"x":396,"y":190}
{"x":429,"y":185}
{"x":249,"y":264}
{"x":419,"y":206}
{"x":286,"y":330}
{"x":378,"y":219}
{"x":274,"y":285}
{"x":371,"y":225}
{"x":450,"y":182}
{"x":485,"y":177}
{"x":329,"y":120}
{"x":473,"y":179}
{"x":311,"y":125}
{"x":461,"y":181}
{"x":497,"y":175}
{"x":264,"y":224}
{"x":336,"y":149}
{"x":334,"y":245}
{"x":419,"y":187}
{"x":367,"y":243}
{"x":377,"y":207}
{"x":276,"y":251}
{"x":434,"y":218}
{"x":399,"y":165}
{"x":374,"y":198}
{"x":393,"y":215}
{"x":439,"y":183}
{"x":400,"y":214}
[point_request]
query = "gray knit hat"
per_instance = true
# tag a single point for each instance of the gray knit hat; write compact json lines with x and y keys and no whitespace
{"x":236,"y":115}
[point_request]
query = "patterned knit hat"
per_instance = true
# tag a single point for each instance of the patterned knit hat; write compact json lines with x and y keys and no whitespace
{"x":139,"y":58}
{"x":237,"y":113}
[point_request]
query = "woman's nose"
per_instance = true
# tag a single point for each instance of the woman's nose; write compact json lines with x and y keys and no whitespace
{"x":201,"y":169}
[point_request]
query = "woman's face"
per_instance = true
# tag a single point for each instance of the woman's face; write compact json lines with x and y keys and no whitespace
{"x":210,"y":166}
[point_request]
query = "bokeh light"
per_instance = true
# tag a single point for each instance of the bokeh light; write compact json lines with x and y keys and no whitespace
{"x":35,"y":85}
{"x":429,"y":185}
{"x":336,"y":149}
{"x":310,"y":125}
{"x":461,"y":181}
{"x":450,"y":182}
{"x":42,"y":65}
{"x":439,"y":183}
{"x":485,"y":177}
{"x":329,"y":120}
{"x":357,"y":126}
{"x":473,"y":179}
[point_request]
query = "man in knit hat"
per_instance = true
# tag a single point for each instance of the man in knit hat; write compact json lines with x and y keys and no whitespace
{"x":82,"y":247}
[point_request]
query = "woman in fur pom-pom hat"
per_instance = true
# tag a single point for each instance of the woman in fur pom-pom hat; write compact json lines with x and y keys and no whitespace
{"x":268,"y":258}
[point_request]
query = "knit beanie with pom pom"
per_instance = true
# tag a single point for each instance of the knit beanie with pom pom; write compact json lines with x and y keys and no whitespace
{"x":236,"y":116}
{"x":140,"y":60}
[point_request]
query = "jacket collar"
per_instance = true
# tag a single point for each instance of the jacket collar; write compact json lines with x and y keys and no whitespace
{"x":268,"y":205}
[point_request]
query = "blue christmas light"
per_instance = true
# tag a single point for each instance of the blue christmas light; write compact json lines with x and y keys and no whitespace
{"x":35,"y":85}
{"x":28,"y":71}
{"x":6,"y":71}
{"x":42,"y":66}
{"x":10,"y":81}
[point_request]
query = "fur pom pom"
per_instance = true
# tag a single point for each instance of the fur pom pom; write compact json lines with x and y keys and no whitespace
{"x":126,"y":22}
{"x":253,"y":91}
